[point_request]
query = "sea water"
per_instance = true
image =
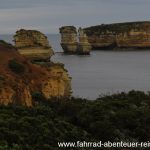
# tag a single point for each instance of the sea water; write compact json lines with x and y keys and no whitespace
{"x":103,"y":72}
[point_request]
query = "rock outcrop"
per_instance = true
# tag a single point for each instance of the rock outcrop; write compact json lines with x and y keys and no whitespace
{"x":119,"y":35}
{"x":69,"y":39}
{"x":33,"y":45}
{"x":20,"y":79}
{"x":70,"y":43}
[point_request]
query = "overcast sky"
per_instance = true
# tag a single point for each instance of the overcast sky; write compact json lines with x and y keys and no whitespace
{"x":48,"y":15}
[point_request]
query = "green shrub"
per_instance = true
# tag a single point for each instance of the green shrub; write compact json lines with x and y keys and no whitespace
{"x":118,"y":117}
{"x":15,"y":66}
{"x":38,"y":96}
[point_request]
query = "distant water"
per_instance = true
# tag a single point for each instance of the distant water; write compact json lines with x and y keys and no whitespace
{"x":7,"y":37}
{"x":54,"y":40}
{"x":103,"y":72}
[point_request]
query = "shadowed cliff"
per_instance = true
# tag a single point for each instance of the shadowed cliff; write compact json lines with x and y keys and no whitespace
{"x":20,"y":79}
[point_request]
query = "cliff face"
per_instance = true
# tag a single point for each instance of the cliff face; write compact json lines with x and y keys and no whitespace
{"x":20,"y":79}
{"x":33,"y":45}
{"x":70,"y":43}
{"x":83,"y":46}
{"x":121,"y":35}
{"x":58,"y":83}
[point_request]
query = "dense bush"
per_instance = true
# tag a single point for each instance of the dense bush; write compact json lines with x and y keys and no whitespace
{"x":119,"y":117}
{"x":15,"y":66}
{"x":38,"y":96}
{"x":35,"y":128}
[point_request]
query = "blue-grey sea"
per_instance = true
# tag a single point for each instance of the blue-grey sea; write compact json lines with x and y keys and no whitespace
{"x":103,"y":72}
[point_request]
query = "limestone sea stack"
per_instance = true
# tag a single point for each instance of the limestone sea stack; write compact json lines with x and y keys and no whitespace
{"x":69,"y":39}
{"x":130,"y":35}
{"x":70,"y":42}
{"x":83,"y":47}
{"x":33,"y":45}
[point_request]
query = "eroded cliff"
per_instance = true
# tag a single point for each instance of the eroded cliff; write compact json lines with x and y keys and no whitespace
{"x":119,"y":35}
{"x":20,"y":79}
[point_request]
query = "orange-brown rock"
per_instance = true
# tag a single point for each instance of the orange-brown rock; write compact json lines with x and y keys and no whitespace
{"x":19,"y":78}
{"x":119,"y":35}
{"x":33,"y":45}
{"x":58,"y":83}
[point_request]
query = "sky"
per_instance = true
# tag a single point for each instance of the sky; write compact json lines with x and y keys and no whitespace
{"x":48,"y":15}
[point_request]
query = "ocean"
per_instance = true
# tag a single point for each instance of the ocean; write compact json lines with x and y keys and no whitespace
{"x":103,"y":72}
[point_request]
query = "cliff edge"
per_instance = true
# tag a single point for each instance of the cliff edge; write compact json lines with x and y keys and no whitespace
{"x":20,"y":79}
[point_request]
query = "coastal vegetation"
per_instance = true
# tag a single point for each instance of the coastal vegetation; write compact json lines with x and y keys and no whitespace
{"x":117,"y":117}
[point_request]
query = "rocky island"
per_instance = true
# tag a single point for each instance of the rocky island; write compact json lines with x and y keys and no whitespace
{"x":69,"y":41}
{"x":21,"y":80}
{"x":119,"y":35}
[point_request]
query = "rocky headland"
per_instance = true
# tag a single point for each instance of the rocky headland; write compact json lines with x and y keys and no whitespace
{"x":119,"y":35}
{"x":70,"y":42}
{"x":21,"y":80}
